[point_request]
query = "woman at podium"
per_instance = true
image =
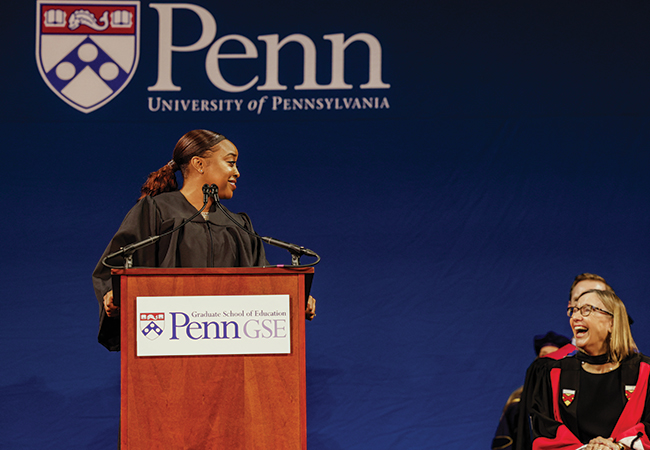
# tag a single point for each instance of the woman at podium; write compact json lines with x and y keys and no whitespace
{"x":210,"y":239}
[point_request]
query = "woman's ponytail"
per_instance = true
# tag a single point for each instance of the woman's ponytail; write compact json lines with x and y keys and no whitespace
{"x":163,"y":180}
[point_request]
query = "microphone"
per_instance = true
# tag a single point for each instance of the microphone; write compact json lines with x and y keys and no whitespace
{"x":206,"y":192}
{"x":291,"y":248}
{"x":128,"y":250}
{"x":213,"y":189}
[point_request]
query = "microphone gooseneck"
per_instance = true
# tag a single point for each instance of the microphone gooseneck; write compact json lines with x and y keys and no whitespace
{"x":296,"y":250}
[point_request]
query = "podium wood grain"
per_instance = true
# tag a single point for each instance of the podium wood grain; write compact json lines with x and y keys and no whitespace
{"x":213,"y":402}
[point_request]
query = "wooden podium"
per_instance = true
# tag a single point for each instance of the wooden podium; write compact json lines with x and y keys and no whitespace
{"x":213,"y":401}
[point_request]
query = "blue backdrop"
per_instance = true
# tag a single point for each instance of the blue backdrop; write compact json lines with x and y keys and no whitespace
{"x":505,"y":152}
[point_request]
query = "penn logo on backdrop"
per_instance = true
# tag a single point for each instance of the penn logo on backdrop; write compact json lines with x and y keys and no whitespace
{"x":87,"y":52}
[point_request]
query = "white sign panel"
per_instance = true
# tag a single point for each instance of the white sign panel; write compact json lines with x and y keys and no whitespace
{"x":213,"y":325}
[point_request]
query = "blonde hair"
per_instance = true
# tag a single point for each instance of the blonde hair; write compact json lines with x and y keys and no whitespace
{"x":620,"y":345}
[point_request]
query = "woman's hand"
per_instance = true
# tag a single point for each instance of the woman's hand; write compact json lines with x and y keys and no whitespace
{"x":600,"y":443}
{"x":310,"y":311}
{"x":111,"y":309}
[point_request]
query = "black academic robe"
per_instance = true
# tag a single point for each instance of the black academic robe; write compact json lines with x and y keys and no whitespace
{"x":554,"y":412}
{"x":506,"y":434}
{"x":216,"y":242}
{"x":536,"y":374}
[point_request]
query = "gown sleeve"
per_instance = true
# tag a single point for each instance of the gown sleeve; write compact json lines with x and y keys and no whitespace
{"x":548,"y":431}
{"x":535,"y":375}
{"x":140,"y":223}
{"x":635,"y":420}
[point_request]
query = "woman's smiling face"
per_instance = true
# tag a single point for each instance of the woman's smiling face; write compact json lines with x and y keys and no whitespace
{"x":592,"y":332}
{"x":221,"y":168}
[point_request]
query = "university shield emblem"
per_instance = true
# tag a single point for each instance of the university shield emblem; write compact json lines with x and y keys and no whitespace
{"x":87,"y":52}
{"x":629,"y":390}
{"x":567,"y":396}
{"x":152,"y":324}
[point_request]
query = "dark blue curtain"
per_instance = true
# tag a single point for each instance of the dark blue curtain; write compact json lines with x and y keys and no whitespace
{"x":508,"y":155}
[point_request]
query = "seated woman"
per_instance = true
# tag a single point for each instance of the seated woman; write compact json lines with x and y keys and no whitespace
{"x":596,"y":398}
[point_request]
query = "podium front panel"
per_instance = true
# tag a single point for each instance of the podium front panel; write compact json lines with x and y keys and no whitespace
{"x":213,"y":401}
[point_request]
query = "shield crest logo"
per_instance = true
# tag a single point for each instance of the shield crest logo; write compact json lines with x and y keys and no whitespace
{"x":568,"y":395}
{"x":87,"y":52}
{"x":152,"y":325}
{"x":629,"y":390}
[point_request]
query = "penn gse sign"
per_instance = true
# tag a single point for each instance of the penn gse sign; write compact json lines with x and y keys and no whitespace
{"x":213,"y":325}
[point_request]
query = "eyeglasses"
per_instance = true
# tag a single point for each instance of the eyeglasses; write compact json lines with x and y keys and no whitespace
{"x":585,"y":310}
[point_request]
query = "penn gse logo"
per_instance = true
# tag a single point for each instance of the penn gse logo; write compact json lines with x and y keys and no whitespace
{"x":87,"y":52}
{"x":152,"y":324}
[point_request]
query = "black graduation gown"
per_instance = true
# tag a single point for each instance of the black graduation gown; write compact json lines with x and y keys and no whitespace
{"x":551,"y":433}
{"x":216,"y":242}
{"x":536,"y":374}
{"x":506,"y":434}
